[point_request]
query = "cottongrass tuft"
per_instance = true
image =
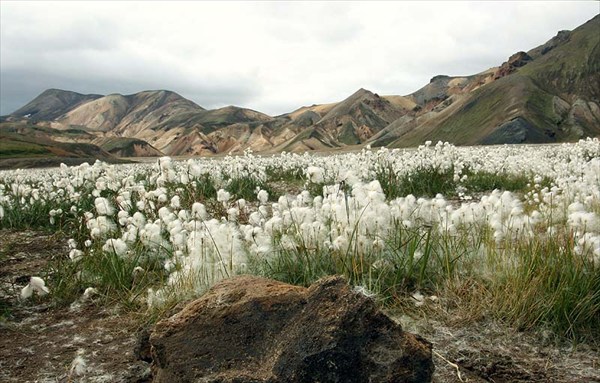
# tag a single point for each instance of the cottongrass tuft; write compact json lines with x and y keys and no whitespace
{"x":36,"y":284}
{"x":89,"y":293}
{"x":78,"y":366}
{"x":364,"y":291}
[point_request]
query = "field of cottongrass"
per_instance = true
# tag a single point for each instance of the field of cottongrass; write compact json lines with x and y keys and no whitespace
{"x":509,"y":232}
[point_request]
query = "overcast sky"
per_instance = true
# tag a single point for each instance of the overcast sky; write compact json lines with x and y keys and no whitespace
{"x":269,"y":56}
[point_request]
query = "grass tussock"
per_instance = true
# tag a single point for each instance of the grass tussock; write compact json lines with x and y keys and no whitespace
{"x":546,"y":284}
{"x":246,"y":188}
{"x":429,"y":181}
{"x":114,"y":278}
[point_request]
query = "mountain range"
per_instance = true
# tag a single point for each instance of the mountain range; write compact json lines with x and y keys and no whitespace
{"x":549,"y":94}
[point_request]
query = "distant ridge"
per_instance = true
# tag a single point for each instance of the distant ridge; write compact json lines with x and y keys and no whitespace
{"x":548,"y":94}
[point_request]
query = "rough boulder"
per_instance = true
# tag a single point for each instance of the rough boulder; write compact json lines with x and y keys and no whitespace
{"x":251,"y":329}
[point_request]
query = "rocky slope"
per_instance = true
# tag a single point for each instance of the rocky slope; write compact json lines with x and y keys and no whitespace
{"x":549,"y":94}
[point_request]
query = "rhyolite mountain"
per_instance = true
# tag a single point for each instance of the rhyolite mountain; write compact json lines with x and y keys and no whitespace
{"x":548,"y":94}
{"x":52,"y":103}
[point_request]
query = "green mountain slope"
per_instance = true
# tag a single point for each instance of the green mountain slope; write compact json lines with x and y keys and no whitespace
{"x":552,"y":96}
{"x":23,"y":144}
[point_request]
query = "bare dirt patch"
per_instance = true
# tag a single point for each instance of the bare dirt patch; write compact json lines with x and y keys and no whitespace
{"x":486,"y":351}
{"x":42,"y":342}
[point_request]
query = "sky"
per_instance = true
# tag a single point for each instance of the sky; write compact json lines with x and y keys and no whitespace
{"x":270,"y":56}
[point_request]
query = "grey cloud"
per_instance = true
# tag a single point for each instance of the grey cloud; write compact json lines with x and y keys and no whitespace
{"x":268,"y":56}
{"x":326,"y":23}
{"x":32,"y":33}
{"x":89,"y":34}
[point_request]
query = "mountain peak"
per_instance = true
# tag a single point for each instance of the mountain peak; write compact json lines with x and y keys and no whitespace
{"x":439,"y":77}
{"x":362,"y":92}
{"x":52,"y":103}
{"x":162,"y":97}
{"x":65,"y":94}
{"x":156,"y":92}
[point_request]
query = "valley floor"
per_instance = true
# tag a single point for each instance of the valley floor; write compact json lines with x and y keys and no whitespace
{"x":40,"y":342}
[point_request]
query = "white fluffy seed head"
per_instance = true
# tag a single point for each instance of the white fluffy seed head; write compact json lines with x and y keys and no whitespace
{"x":89,"y":293}
{"x":116,"y":245}
{"x":199,"y":211}
{"x":103,"y":206}
{"x":26,"y":292}
{"x":39,"y":285}
{"x":36,"y":284}
{"x":75,"y":255}
{"x":223,"y":196}
{"x":263,"y":196}
{"x":78,"y":366}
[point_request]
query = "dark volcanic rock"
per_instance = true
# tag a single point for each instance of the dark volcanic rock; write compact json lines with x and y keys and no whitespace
{"x":515,"y":131}
{"x":561,"y":38}
{"x":515,"y":61}
{"x":250,"y":329}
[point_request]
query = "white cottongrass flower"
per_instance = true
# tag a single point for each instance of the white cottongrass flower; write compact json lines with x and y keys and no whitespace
{"x":314,"y":174}
{"x":176,"y":202}
{"x":138,"y":220}
{"x":75,"y":255}
{"x":122,"y":217}
{"x":72,"y":243}
{"x":223,"y":196}
{"x":103,"y":207}
{"x":137,"y":271}
{"x":232,"y":214}
{"x":340,"y":243}
{"x":89,"y":293}
{"x":100,"y":226}
{"x":263,"y":196}
{"x":419,"y":298}
{"x":151,"y":235}
{"x":116,"y":245}
{"x":55,"y":212}
{"x":36,"y":284}
{"x":199,"y":211}
{"x":78,"y":365}
{"x":241,"y":203}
